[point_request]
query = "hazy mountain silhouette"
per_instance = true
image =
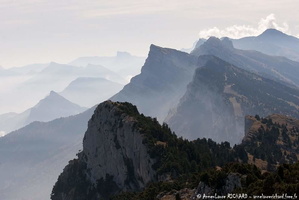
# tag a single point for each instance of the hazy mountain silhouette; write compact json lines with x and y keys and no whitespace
{"x":276,"y":68}
{"x":272,"y":42}
{"x":88,"y":91}
{"x":32,"y":157}
{"x":35,"y":86}
{"x":123,"y":63}
{"x":51,"y":107}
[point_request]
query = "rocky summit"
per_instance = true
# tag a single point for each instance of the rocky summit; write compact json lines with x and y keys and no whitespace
{"x":113,"y":159}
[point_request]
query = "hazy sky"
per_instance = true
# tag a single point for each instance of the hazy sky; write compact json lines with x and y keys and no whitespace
{"x":38,"y":31}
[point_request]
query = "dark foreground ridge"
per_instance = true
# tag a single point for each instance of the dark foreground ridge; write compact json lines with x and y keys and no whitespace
{"x":129,"y":156}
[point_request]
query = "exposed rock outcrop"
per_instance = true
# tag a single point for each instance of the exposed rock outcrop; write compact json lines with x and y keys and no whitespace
{"x":113,"y":159}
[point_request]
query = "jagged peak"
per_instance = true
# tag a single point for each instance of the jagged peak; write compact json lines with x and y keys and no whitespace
{"x":227,"y":42}
{"x":216,"y":42}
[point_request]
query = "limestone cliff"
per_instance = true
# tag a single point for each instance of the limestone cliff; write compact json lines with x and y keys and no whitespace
{"x":114,"y":157}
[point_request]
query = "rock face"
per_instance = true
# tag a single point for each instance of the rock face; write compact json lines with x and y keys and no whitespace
{"x":113,"y":159}
{"x":221,"y":95}
{"x":112,"y":137}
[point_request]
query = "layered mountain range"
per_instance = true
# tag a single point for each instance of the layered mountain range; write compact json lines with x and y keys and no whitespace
{"x":219,"y":94}
{"x":271,"y":42}
{"x":206,"y":93}
{"x":273,"y":67}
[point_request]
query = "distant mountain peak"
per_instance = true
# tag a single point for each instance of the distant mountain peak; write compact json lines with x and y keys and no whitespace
{"x":214,"y":41}
{"x":54,"y":95}
{"x":54,"y":99}
{"x":53,"y":63}
{"x":213,"y":44}
{"x":272,"y":32}
{"x":54,"y":105}
{"x":123,"y":54}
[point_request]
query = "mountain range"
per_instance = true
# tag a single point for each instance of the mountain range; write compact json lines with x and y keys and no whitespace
{"x":171,"y":87}
{"x":273,"y":67}
{"x":123,"y":63}
{"x":32,"y":82}
{"x":271,"y":42}
{"x":219,"y":93}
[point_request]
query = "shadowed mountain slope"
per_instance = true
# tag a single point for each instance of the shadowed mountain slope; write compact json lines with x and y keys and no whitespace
{"x":221,"y":95}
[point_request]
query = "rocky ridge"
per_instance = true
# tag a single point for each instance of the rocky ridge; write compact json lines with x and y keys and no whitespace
{"x":162,"y":81}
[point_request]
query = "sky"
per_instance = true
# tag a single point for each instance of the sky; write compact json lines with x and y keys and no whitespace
{"x":41,"y":31}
